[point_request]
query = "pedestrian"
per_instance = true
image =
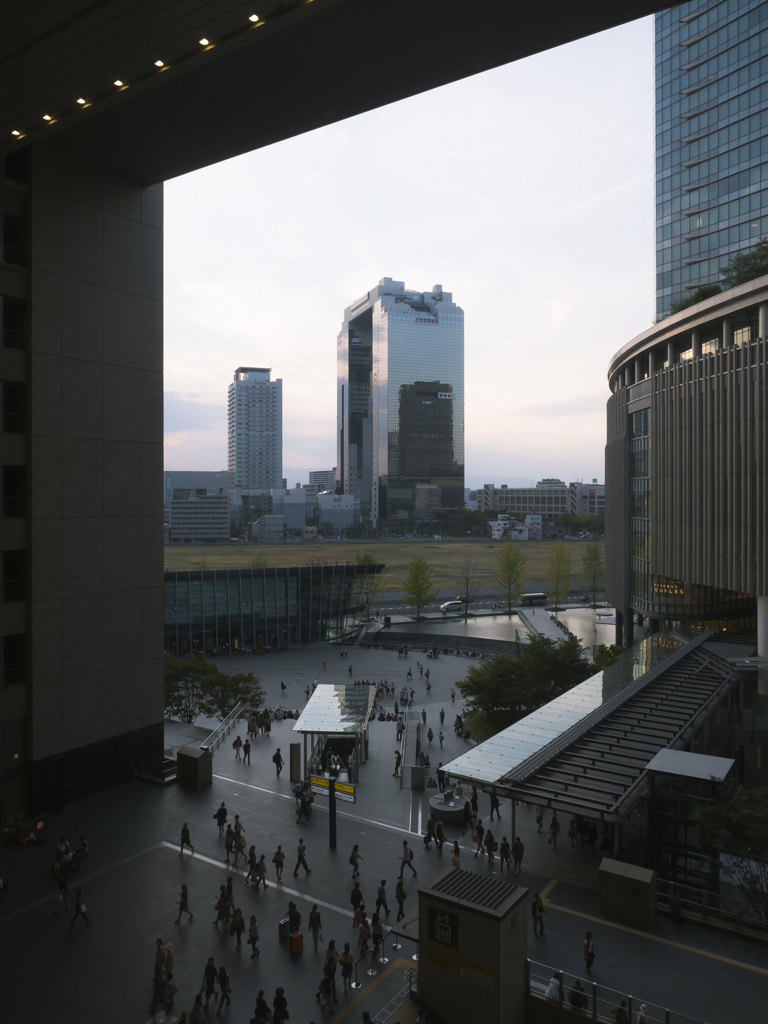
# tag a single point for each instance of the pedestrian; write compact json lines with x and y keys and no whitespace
{"x":398,"y":762}
{"x":441,"y":773}
{"x":467,"y":822}
{"x":381,"y":897}
{"x":430,"y":734}
{"x":494,"y":803}
{"x":555,"y":988}
{"x":283,"y":688}
{"x":620,"y":1013}
{"x":354,"y":859}
{"x":279,"y":860}
{"x":518,"y":849}
{"x":238,"y":927}
{"x":221,"y":817}
{"x":590,"y":949}
{"x":490,"y":845}
{"x":81,"y":909}
{"x":223,"y":908}
{"x":537,"y":913}
{"x":357,"y":901}
{"x":363,"y":935}
{"x":262,"y":1010}
{"x":439,"y":835}
{"x":253,"y":936}
{"x":456,"y":858}
{"x":237,"y":745}
{"x":277,"y":760}
{"x":185,"y":839}
{"x":196,"y":1015}
{"x":424,"y":715}
{"x":301,"y":861}
{"x":442,"y":716}
{"x":315,"y":925}
{"x":210,"y":977}
{"x":400,"y":896}
{"x":539,"y":819}
{"x":247,"y":752}
{"x":62,"y":894}
{"x":229,"y":842}
{"x":261,"y":872}
{"x":473,"y":801}
{"x":183,"y":904}
{"x":225,"y":989}
{"x":453,"y":695}
{"x":505,"y":854}
{"x":332,"y":958}
{"x":554,"y":831}
{"x":579,"y":999}
{"x":347,"y":959}
{"x":441,"y":737}
{"x":240,"y":845}
{"x":377,"y":933}
{"x":642,"y":1014}
{"x":251,"y":865}
{"x":429,"y":835}
{"x":406,"y":858}
{"x":479,"y":837}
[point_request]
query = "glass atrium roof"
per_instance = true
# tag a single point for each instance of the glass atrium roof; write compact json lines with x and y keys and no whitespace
{"x":337,"y":708}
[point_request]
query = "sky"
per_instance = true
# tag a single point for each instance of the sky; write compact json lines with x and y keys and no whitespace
{"x":526,"y":192}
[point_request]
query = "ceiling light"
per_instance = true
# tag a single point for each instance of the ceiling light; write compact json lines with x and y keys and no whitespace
{"x":81,"y":101}
{"x":254,"y":18}
{"x":47,"y":117}
{"x":204,"y":42}
{"x":14,"y":132}
{"x":117,"y":82}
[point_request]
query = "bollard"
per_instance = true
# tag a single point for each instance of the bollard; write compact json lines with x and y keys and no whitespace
{"x":356,"y":983}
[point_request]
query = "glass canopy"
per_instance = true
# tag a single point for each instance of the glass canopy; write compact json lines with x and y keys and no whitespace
{"x":337,"y":708}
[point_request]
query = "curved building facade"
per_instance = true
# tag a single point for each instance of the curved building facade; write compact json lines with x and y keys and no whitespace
{"x":686,"y":454}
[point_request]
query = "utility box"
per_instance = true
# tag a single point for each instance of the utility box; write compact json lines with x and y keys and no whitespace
{"x":194,"y":767}
{"x":473,"y":946}
{"x":295,"y":761}
{"x":627,"y":892}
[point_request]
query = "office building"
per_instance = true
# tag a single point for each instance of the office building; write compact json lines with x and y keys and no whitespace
{"x":711,"y":141}
{"x":192,"y":483}
{"x":202,"y":520}
{"x":322,"y":479}
{"x":400,"y":393}
{"x":255,"y":432}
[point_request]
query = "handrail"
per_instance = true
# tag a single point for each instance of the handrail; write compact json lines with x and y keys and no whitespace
{"x":222,"y":730}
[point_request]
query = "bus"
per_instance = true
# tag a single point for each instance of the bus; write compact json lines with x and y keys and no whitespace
{"x":533,"y":599}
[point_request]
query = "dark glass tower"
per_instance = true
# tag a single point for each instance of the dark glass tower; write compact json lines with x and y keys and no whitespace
{"x":711,"y":141}
{"x":400,"y":360}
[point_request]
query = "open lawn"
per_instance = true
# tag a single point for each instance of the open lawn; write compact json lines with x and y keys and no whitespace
{"x":445,"y":557}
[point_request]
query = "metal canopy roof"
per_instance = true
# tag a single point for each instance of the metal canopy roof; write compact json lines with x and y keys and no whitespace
{"x":337,"y":708}
{"x":598,"y":767}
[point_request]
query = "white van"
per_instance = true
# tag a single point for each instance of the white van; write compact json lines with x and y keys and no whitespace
{"x":452,"y":606}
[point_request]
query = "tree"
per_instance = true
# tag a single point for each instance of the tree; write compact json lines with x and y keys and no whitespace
{"x":605,"y":655}
{"x":746,"y":266}
{"x":222,"y":693}
{"x":706,"y":291}
{"x":514,"y":687}
{"x":593,"y":570}
{"x":735,"y":825}
{"x":257,"y":562}
{"x":185,"y":680}
{"x":559,"y":571}
{"x":418,"y":584}
{"x":467,"y":581}
{"x":365,"y":557}
{"x":510,"y":566}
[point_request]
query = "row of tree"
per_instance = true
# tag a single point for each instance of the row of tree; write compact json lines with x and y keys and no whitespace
{"x":195,"y":687}
{"x":508,"y":576}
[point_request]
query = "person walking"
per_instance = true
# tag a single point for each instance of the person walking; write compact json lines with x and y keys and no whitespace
{"x":363,"y":935}
{"x":424,"y":716}
{"x":377,"y":934}
{"x":81,"y":909}
{"x":62,"y":894}
{"x":442,"y":716}
{"x":490,"y":845}
{"x":439,"y":836}
{"x":261,"y":872}
{"x":315,"y":925}
{"x":237,"y":745}
{"x":441,"y":737}
{"x":398,"y":762}
{"x":225,"y":989}
{"x":251,"y":865}
{"x":400,"y":897}
{"x":183,"y":905}
{"x":590,"y":949}
{"x":238,"y":927}
{"x":247,"y":752}
{"x":505,"y":854}
{"x":277,"y":760}
{"x":221,"y":817}
{"x":229,"y":843}
{"x":381,"y":897}
{"x":554,"y":831}
{"x":279,"y":860}
{"x":347,"y":959}
{"x":518,"y":849}
{"x":262,"y":1010}
{"x":302,"y":859}
{"x":495,"y":803}
{"x":473,"y":801}
{"x":406,"y":858}
{"x":620,"y":1013}
{"x":210,"y":977}
{"x":283,"y":688}
{"x":441,"y":772}
{"x":358,"y":903}
{"x":537,"y":913}
{"x":223,"y":908}
{"x":467,"y":822}
{"x":253,"y":936}
{"x":430,"y":734}
{"x":456,"y":858}
{"x":185,"y":839}
{"x":332,"y":958}
{"x":354,"y":858}
{"x":479,"y":837}
{"x":539,"y":819}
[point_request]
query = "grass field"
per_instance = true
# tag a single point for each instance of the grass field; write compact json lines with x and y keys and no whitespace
{"x":445,"y":557}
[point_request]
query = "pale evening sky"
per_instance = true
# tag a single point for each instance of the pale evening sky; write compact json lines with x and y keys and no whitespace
{"x":527,"y":192}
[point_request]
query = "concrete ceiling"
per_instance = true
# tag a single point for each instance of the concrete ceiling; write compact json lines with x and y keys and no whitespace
{"x":304,"y":64}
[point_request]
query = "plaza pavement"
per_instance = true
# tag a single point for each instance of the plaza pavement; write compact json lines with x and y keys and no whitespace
{"x":103,"y":972}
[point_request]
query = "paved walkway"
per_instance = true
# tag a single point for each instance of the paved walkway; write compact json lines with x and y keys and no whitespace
{"x":103,"y":972}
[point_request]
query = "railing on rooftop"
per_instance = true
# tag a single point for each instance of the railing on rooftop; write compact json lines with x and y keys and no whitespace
{"x":602,"y":1001}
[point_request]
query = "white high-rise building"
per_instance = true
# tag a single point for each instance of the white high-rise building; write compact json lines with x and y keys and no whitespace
{"x":255,"y":436}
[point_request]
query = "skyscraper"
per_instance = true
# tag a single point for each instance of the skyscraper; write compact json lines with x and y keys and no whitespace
{"x":255,"y":435}
{"x":711,"y":141}
{"x":400,"y":394}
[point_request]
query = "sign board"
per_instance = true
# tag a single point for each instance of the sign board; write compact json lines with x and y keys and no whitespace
{"x":344,"y":791}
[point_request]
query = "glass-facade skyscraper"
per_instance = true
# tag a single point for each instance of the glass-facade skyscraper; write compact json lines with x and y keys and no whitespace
{"x":711,"y":141}
{"x":400,"y":394}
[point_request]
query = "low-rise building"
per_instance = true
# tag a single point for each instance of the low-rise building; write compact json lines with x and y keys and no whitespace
{"x":204,"y":519}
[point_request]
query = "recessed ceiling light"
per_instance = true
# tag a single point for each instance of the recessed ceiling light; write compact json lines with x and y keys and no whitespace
{"x":117,"y":82}
{"x":159,"y":63}
{"x":81,"y":101}
{"x":254,"y":18}
{"x":204,"y":42}
{"x":14,"y":132}
{"x":47,"y":117}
